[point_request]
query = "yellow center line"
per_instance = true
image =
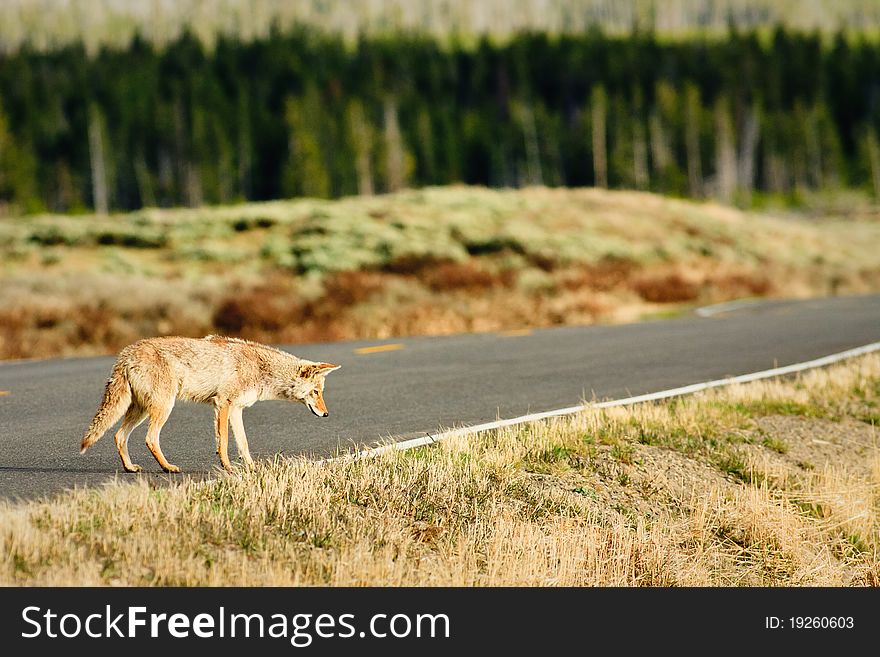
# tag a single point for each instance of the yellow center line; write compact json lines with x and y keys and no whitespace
{"x":3,"y":393}
{"x":515,"y":333}
{"x":378,"y":348}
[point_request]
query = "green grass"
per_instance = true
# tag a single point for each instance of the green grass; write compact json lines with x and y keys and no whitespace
{"x":435,"y":224}
{"x":776,"y":444}
{"x":765,"y":407}
{"x":733,"y":464}
{"x":872,"y":418}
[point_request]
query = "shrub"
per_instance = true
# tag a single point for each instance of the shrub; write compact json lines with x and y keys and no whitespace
{"x":267,"y":307}
{"x":451,"y":276}
{"x":665,"y":288}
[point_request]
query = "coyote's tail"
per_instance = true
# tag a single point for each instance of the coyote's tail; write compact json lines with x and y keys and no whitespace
{"x":117,"y":397}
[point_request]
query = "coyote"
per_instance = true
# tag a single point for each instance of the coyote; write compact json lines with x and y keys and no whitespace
{"x":229,"y":373}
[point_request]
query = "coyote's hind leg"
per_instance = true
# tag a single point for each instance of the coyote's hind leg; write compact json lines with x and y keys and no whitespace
{"x":133,"y":417}
{"x":158,"y":416}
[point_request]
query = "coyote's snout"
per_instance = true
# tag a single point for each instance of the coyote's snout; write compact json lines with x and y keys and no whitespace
{"x":150,"y":375}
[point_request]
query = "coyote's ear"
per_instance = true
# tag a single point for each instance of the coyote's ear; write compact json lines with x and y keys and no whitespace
{"x":323,"y":369}
{"x":312,"y":370}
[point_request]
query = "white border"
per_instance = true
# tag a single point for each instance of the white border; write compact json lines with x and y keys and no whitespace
{"x":653,"y":396}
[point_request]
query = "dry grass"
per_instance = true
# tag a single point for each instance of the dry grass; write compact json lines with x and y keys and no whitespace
{"x":714,"y":489}
{"x":432,"y":261}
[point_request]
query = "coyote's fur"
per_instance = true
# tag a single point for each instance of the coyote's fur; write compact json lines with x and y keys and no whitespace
{"x":231,"y":374}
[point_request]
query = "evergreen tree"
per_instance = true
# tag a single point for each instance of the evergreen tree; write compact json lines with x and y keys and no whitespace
{"x":693,"y":116}
{"x":306,"y":171}
{"x":17,"y":172}
{"x":302,"y":113}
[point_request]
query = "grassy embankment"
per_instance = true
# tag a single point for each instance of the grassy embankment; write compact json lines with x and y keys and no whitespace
{"x":432,"y":261}
{"x":771,"y":483}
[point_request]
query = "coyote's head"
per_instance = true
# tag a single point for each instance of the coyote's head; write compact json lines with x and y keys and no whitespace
{"x":308,"y":387}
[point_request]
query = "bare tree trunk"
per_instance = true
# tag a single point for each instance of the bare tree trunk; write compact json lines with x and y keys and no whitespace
{"x":660,"y":152}
{"x":874,"y":157}
{"x":640,"y":156}
{"x":66,"y":195}
{"x":181,"y":154}
{"x":362,"y":141}
{"x":775,"y":171}
{"x":244,"y":148}
{"x":98,"y":162}
{"x":747,"y":153}
{"x":725,"y":154}
{"x":194,"y":193}
{"x":426,"y":140}
{"x":814,"y":149}
{"x":530,"y":137}
{"x":557,"y":173}
{"x":395,"y":158}
{"x":600,"y":149}
{"x":692,"y":141}
{"x":145,"y":185}
{"x":799,"y":169}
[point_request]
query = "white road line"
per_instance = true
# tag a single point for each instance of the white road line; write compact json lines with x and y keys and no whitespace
{"x":629,"y":401}
{"x":727,"y":306}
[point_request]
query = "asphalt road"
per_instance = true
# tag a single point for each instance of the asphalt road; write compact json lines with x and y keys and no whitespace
{"x":411,"y":386}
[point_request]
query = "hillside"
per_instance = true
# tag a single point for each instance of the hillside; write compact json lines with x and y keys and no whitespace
{"x":431,"y":261}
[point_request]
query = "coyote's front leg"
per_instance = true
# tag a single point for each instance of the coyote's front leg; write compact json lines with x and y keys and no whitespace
{"x":240,"y":437}
{"x":221,"y":429}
